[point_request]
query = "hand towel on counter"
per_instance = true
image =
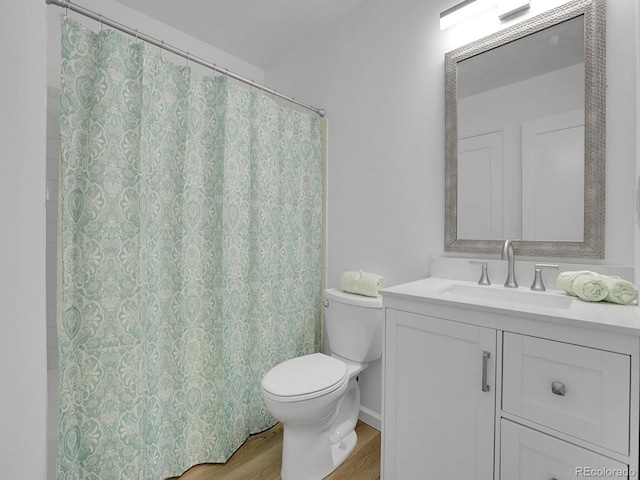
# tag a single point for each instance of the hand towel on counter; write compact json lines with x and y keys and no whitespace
{"x":565,"y":280}
{"x":620,"y":291}
{"x":590,"y":287}
{"x":361,"y":283}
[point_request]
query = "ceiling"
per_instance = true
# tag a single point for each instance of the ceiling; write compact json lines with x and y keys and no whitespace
{"x":257,"y":31}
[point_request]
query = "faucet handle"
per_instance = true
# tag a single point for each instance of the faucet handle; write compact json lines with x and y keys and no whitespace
{"x":484,"y":277}
{"x":537,"y":281}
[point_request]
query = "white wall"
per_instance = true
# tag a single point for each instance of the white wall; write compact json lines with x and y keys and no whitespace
{"x":622,"y":142}
{"x":53,"y":364}
{"x":22,"y":242}
{"x":637,"y":218}
{"x":379,"y":73}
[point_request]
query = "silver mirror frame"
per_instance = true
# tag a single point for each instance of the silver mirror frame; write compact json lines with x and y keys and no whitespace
{"x":595,"y":134}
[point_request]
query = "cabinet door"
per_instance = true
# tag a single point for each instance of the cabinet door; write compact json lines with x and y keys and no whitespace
{"x":439,"y":400}
{"x":530,"y":455}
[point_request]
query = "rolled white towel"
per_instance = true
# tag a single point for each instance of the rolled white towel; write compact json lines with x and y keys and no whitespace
{"x":590,"y":287}
{"x":620,"y":291}
{"x":362,"y":283}
{"x":565,"y":280}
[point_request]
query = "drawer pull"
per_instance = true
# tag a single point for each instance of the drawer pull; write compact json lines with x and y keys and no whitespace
{"x":558,"y":388}
{"x":485,"y":364}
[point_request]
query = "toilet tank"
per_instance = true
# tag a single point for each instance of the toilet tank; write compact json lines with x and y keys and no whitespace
{"x":354,"y":325}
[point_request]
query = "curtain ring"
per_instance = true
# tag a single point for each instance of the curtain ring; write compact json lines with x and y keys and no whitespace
{"x":162,"y":48}
{"x":187,"y":59}
{"x":136,"y":36}
{"x":101,"y":24}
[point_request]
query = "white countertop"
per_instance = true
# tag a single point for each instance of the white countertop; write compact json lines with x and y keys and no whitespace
{"x":614,"y":318}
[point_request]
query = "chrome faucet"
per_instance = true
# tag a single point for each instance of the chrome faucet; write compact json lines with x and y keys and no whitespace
{"x":510,"y":254}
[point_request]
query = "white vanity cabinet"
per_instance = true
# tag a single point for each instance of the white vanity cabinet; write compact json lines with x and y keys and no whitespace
{"x":475,"y":390}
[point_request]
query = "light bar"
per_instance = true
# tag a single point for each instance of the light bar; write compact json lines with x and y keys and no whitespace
{"x":463,"y":11}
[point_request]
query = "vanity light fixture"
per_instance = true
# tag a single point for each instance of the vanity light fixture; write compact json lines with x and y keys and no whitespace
{"x":468,"y":8}
{"x":507,"y":8}
{"x":462,"y":11}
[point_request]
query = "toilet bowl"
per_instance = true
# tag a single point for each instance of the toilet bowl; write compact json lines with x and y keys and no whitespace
{"x":316,"y":397}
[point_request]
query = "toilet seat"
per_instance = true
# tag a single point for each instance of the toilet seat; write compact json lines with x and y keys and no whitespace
{"x":304,"y":378}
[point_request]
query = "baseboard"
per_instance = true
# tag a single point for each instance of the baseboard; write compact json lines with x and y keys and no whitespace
{"x":370,"y":417}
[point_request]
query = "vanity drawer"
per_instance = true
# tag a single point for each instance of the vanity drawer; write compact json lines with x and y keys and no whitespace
{"x":580,"y":391}
{"x":526,"y":454}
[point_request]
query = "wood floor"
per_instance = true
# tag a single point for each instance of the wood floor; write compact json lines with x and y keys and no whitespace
{"x":259,"y":458}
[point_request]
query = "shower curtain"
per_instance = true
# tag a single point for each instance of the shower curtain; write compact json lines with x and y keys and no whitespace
{"x":190,"y":258}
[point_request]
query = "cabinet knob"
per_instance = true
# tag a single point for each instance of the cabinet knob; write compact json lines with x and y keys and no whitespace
{"x":558,"y":388}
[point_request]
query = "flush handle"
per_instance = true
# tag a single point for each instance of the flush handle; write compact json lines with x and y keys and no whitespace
{"x":326,"y":303}
{"x":485,"y":365}
{"x":558,"y":388}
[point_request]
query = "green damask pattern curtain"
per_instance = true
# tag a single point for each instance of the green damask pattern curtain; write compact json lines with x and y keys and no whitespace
{"x":190,"y":258}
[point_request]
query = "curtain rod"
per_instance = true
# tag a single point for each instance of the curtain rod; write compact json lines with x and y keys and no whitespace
{"x":158,"y":43}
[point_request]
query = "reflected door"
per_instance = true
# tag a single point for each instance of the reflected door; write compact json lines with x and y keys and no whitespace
{"x":553,"y":177}
{"x":480,"y":186}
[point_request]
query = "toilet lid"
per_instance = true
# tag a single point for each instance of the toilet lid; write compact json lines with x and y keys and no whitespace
{"x":305,"y":375}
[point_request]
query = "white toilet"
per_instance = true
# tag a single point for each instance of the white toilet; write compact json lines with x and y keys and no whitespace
{"x":316,"y":397}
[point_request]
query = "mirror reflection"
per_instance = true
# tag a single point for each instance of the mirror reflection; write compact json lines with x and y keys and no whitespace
{"x":521,"y":124}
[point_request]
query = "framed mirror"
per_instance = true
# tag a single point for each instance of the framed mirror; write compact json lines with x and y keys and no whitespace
{"x":525,"y":137}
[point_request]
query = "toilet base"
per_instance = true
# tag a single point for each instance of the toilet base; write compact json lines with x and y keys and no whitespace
{"x":341,"y":451}
{"x":313,"y":451}
{"x":314,"y":466}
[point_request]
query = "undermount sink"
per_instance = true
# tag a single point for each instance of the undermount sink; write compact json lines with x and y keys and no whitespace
{"x":514,"y":296}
